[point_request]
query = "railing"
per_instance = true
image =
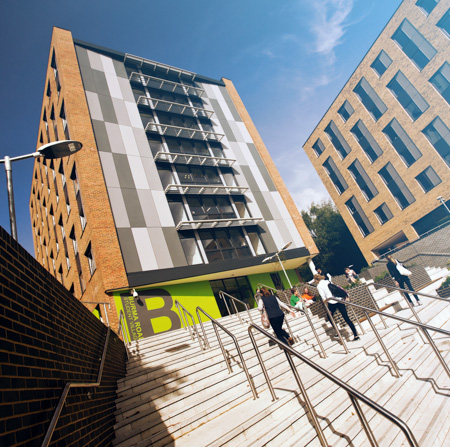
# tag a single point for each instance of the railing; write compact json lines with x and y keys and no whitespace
{"x":424,"y":327}
{"x":104,"y":307}
{"x":216,"y":325}
{"x":65,"y":392}
{"x":354,"y":395}
{"x":123,"y":329}
{"x":234,"y":300}
{"x":185,"y":321}
{"x":306,"y":313}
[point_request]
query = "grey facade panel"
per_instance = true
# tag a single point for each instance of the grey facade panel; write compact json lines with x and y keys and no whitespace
{"x":115,"y":138}
{"x":227,"y":130}
{"x":88,"y":79}
{"x":101,"y":136}
{"x":129,"y":252}
{"x":266,"y":237}
{"x":247,"y":174}
{"x":108,"y":112}
{"x":148,"y":208}
{"x":159,"y":245}
{"x":101,"y":86}
{"x":123,"y":171}
{"x":121,"y":112}
{"x":118,"y":207}
{"x":217,"y":109}
{"x":133,"y":206}
{"x":262,"y":205}
{"x":174,"y":246}
{"x":120,"y":69}
{"x":82,"y":57}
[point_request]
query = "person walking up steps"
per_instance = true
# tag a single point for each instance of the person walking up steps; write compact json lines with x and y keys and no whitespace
{"x":334,"y":305}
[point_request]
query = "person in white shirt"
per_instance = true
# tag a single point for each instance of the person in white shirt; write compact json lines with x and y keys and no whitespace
{"x":333,"y":305}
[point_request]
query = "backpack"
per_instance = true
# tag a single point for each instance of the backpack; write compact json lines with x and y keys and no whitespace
{"x":337,"y":291}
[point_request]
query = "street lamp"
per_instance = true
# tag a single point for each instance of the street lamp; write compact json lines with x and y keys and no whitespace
{"x":57,"y":149}
{"x":279,"y":260}
{"x":441,"y":199}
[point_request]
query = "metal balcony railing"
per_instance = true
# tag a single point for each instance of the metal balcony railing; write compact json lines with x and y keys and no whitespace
{"x":164,"y":84}
{"x":174,"y":107}
{"x":204,"y":189}
{"x":183,"y":132}
{"x":217,"y":223}
{"x":193,"y":159}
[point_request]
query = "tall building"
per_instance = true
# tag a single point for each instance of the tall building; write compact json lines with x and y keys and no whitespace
{"x":174,"y":193}
{"x":383,"y":147}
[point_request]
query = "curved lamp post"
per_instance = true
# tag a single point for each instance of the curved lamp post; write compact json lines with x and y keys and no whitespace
{"x":57,"y":149}
{"x":276,"y":255}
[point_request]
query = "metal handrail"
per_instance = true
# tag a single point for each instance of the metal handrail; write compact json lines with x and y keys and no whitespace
{"x":122,"y":328}
{"x":354,"y":395}
{"x":309,"y":321}
{"x":424,"y":327}
{"x":184,"y":316}
{"x":65,"y":392}
{"x":216,"y":324}
{"x":222,"y":296}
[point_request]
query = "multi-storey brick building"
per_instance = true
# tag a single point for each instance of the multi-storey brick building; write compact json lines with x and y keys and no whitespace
{"x":174,"y":193}
{"x":383,"y":147}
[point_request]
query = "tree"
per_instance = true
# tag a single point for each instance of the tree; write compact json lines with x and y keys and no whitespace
{"x":336,"y":245}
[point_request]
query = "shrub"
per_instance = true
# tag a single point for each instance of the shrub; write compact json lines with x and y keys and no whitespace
{"x":381,"y":276}
{"x":446,"y":282}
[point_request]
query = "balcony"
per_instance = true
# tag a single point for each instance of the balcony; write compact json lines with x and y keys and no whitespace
{"x":174,"y":107}
{"x":217,"y":223}
{"x":204,"y":189}
{"x":164,"y":84}
{"x":183,"y":132}
{"x":193,"y":159}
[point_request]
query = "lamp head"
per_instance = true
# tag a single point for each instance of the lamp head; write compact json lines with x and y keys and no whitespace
{"x":59,"y":149}
{"x":135,"y":294}
{"x":285,"y":246}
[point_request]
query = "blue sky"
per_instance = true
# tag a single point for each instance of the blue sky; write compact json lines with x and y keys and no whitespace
{"x":287,"y":58}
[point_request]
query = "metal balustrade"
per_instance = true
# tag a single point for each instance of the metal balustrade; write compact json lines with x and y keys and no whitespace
{"x":193,"y":159}
{"x":185,"y":321}
{"x":216,"y":325}
{"x":234,"y":300}
{"x":174,"y":107}
{"x":354,"y":395}
{"x":308,"y":317}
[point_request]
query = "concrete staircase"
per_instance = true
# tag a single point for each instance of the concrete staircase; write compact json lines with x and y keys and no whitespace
{"x":176,"y":394}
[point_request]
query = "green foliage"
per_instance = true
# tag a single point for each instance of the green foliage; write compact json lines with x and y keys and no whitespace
{"x":352,"y":285}
{"x":336,"y":245}
{"x":446,"y":282}
{"x":381,"y":276}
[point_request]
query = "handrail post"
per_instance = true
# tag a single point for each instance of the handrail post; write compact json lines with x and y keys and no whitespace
{"x":310,"y":407}
{"x":216,"y":324}
{"x":391,"y":361}
{"x":436,"y":350}
{"x":207,"y":345}
{"x":186,"y":314}
{"x":261,"y":363}
{"x":221,"y":295}
{"x":333,"y":323}
{"x":375,"y":304}
{"x":315,"y":332}
{"x":363,"y":420}
{"x":357,"y":320}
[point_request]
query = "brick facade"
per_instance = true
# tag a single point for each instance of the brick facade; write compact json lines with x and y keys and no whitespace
{"x":424,"y":202}
{"x":48,"y":338}
{"x":100,"y":230}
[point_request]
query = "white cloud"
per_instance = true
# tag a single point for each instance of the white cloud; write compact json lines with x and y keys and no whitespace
{"x":329,"y":25}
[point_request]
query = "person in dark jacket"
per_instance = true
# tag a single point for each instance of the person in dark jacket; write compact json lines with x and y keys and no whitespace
{"x":276,"y":316}
{"x":399,"y":279}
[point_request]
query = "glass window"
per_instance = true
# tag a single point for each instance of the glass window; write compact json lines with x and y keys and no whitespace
{"x":413,"y":44}
{"x":396,"y":186}
{"x":337,"y":139}
{"x":383,"y":213}
{"x":190,"y":248}
{"x":428,"y":179}
{"x":371,"y":101}
{"x":381,"y":63}
{"x":366,"y":141}
{"x":224,"y":244}
{"x":438,"y":135}
{"x":335,"y":175}
{"x":444,"y":23}
{"x":318,"y":147}
{"x":346,"y":111}
{"x":359,"y":216}
{"x":198,"y":175}
{"x":362,"y":179}
{"x":404,"y":146}
{"x":204,"y":208}
{"x":90,"y":257}
{"x":441,"y":81}
{"x":406,"y":94}
{"x":427,"y":5}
